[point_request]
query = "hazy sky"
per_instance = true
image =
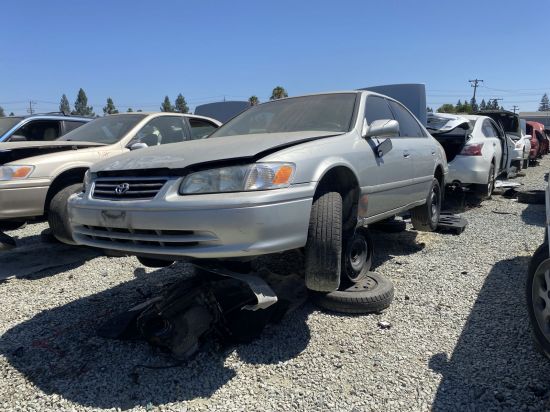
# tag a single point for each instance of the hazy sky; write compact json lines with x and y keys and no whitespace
{"x":137,"y":52}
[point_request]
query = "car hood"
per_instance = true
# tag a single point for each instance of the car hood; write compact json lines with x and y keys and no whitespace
{"x":205,"y":151}
{"x":12,"y":151}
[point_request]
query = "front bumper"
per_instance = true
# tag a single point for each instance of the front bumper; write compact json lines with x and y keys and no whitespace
{"x":23,"y":198}
{"x":171,"y":226}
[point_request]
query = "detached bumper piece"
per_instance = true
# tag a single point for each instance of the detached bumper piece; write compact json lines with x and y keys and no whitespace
{"x":451,"y":223}
{"x":215,"y":305}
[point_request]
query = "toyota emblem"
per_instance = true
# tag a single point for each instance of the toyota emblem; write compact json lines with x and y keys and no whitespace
{"x":122,"y":188}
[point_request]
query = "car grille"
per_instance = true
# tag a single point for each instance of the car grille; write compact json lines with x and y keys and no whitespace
{"x":143,"y":237}
{"x":127,"y":189}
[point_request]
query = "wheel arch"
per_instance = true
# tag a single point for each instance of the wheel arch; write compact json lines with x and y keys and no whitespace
{"x":64,"y":179}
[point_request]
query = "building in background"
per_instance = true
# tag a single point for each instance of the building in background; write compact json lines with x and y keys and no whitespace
{"x":541,"y":117}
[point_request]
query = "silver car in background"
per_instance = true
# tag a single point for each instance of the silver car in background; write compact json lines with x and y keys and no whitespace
{"x":302,"y":172}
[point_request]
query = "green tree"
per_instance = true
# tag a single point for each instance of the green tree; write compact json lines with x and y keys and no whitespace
{"x":129,"y":110}
{"x":429,"y":110}
{"x":544,"y":105}
{"x":81,"y":107}
{"x":2,"y":114}
{"x":483,"y":105}
{"x":458,"y":107}
{"x":474,"y":106}
{"x":110,"y":107}
{"x":181,"y":104}
{"x":446,"y":108}
{"x":253,"y":100}
{"x":166,"y":105}
{"x":139,"y":110}
{"x":278,"y":93}
{"x":12,"y":114}
{"x":64,"y":105}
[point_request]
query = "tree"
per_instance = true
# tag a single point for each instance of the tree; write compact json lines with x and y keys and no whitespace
{"x":181,"y":104}
{"x":429,"y":110}
{"x":129,"y":110}
{"x":459,"y":107}
{"x":253,"y":100}
{"x":12,"y":114}
{"x":81,"y":107}
{"x":2,"y":114}
{"x":446,"y":108}
{"x":473,"y":105}
{"x":139,"y":110}
{"x":278,"y":93}
{"x":544,"y":105}
{"x":166,"y":105}
{"x":110,"y":107}
{"x":483,"y":105}
{"x":64,"y":105}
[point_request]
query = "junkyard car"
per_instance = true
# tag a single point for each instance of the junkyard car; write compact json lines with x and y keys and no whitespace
{"x":539,"y":142}
{"x":301,"y":172}
{"x":36,"y":178}
{"x":477,"y":149}
{"x":38,"y":127}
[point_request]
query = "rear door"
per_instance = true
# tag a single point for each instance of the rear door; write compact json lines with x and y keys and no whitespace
{"x":392,"y":176}
{"x":421,"y":149}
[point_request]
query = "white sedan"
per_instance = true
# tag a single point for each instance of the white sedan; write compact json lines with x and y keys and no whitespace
{"x":477,"y":149}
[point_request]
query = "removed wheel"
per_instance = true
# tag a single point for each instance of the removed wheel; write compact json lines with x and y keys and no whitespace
{"x":154,"y":263}
{"x":371,"y":295}
{"x":538,"y":298}
{"x":7,"y":225}
{"x":425,"y":217}
{"x":357,"y":257}
{"x":58,"y":216}
{"x":534,"y":197}
{"x":323,"y":250}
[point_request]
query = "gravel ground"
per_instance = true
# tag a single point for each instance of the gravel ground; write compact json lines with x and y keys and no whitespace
{"x":459,"y":336}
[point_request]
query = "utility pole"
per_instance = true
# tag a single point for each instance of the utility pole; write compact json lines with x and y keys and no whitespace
{"x":474,"y":84}
{"x":30,"y":110}
{"x":515,"y":108}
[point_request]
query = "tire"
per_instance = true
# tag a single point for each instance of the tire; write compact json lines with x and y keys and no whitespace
{"x":486,"y":190}
{"x":323,"y":250}
{"x":372,"y":295}
{"x":8,"y":225}
{"x":154,"y":263}
{"x":525,"y":163}
{"x":58,"y":217}
{"x":425,"y":218}
{"x":537,"y":279}
{"x":534,"y":197}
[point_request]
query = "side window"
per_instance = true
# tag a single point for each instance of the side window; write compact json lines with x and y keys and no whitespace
{"x":488,"y":129}
{"x":408,"y":125}
{"x":201,"y":128}
{"x":40,"y":130}
{"x":376,"y":108}
{"x":71,"y":125}
{"x":161,"y":130}
{"x":496,"y":131}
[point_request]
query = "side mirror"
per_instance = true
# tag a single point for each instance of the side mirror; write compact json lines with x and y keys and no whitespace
{"x":138,"y":145}
{"x":18,"y":138}
{"x":381,"y":128}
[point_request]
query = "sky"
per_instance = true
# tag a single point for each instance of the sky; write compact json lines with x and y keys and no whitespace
{"x":136,"y":52}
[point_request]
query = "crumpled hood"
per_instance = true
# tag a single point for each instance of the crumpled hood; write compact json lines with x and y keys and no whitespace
{"x":217,"y":149}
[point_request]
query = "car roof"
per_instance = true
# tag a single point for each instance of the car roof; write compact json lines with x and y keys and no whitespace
{"x":168,"y":114}
{"x":54,"y":116}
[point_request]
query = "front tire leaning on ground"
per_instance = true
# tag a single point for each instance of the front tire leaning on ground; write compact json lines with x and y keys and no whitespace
{"x":425,"y":218}
{"x":58,"y":215}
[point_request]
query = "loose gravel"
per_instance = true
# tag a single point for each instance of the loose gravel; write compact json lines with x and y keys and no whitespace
{"x":456,"y":337}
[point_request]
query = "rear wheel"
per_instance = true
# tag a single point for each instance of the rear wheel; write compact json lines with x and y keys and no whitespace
{"x":538,"y":298}
{"x":486,"y":190}
{"x":425,"y":217}
{"x":58,"y":216}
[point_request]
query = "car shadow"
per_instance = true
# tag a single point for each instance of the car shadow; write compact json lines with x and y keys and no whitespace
{"x":388,"y":246}
{"x":494,"y":365}
{"x":59,"y":352}
{"x":459,"y":201}
{"x":534,"y":215}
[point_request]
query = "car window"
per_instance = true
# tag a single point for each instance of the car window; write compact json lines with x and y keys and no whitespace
{"x":6,"y":123}
{"x":161,"y":130}
{"x":488,"y":130}
{"x":39,"y":130}
{"x":106,"y":130}
{"x":201,"y":128}
{"x":377,"y":108}
{"x":71,"y":125}
{"x":408,"y":126}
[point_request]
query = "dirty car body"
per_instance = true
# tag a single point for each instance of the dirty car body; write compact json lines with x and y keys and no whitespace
{"x":247,"y":190}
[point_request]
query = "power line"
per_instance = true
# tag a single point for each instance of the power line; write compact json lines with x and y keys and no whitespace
{"x":30,"y":110}
{"x":515,"y":108}
{"x":474,"y":84}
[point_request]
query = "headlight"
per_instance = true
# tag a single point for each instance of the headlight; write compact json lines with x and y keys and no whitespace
{"x":258,"y":176}
{"x":87,"y":181}
{"x":15,"y":172}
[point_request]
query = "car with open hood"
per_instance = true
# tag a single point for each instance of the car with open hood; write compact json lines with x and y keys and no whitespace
{"x":36,"y":178}
{"x":477,"y":149}
{"x":302,"y":172}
